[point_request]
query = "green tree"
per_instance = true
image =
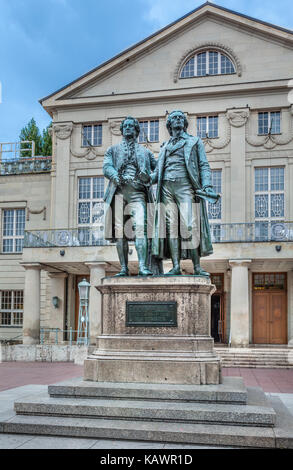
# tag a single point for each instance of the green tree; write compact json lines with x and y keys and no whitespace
{"x":47,"y":142}
{"x":43,"y":142}
{"x":31,"y":132}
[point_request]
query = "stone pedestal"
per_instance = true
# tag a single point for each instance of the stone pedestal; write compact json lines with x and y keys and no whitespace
{"x":180,"y":354}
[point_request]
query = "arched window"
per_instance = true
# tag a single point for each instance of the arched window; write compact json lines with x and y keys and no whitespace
{"x":208,"y":62}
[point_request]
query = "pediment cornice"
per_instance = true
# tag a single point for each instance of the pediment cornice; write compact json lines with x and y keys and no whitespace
{"x":206,"y":10}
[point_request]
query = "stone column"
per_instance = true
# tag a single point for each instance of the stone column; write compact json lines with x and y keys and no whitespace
{"x":97,"y":273}
{"x":31,"y":314}
{"x":238,"y":119}
{"x":239,"y":303}
{"x":58,"y":289}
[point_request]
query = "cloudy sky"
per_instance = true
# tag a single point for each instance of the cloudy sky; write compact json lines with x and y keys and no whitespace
{"x":45,"y":44}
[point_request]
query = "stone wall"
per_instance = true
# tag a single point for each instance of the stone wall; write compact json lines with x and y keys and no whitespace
{"x":43,"y":353}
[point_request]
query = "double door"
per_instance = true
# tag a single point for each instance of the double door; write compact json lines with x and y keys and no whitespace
{"x":270,"y":313}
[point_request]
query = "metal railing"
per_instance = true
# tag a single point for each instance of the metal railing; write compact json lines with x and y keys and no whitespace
{"x":25,"y":166}
{"x":52,"y":336}
{"x":11,"y":151}
{"x":17,"y":158}
{"x":63,"y":238}
{"x":14,"y":339}
{"x":221,"y":233}
{"x":252,"y":232}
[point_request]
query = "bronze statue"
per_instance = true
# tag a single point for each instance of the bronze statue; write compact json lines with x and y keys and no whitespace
{"x":183,"y":176}
{"x":130,"y":168}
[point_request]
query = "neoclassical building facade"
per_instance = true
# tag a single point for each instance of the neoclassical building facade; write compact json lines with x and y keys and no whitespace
{"x":231,"y":75}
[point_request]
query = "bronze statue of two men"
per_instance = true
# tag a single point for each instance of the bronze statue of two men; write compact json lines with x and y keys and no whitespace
{"x":174,"y":224}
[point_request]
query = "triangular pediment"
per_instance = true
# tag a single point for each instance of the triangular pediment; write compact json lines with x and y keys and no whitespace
{"x":151,"y":64}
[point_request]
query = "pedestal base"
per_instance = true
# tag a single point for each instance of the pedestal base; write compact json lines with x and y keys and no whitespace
{"x":179,"y":354}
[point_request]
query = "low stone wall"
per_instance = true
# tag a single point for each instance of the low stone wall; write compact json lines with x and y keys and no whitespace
{"x":44,"y":353}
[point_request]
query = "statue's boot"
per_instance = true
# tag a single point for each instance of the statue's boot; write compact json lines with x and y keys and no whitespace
{"x":175,"y":256}
{"x":198,"y":271}
{"x":122,"y":250}
{"x":142,"y":254}
{"x":124,"y":272}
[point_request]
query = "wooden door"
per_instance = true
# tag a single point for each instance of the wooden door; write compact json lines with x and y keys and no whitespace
{"x":270,"y":309}
{"x":278,"y":318}
{"x":261,"y":317}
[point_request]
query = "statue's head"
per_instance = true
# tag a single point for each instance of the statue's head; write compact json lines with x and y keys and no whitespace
{"x":176,"y":120}
{"x":130,"y":127}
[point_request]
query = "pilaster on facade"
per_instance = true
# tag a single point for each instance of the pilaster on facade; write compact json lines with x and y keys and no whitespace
{"x":238,"y":119}
{"x":62,"y":132}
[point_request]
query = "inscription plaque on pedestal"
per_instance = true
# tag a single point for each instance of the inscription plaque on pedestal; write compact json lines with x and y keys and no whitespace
{"x":151,"y":314}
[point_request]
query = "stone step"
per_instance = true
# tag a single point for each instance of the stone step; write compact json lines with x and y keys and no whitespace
{"x":257,"y":412}
{"x":255,"y":366}
{"x":254,"y":357}
{"x":215,"y":435}
{"x":278,"y":358}
{"x":231,"y":390}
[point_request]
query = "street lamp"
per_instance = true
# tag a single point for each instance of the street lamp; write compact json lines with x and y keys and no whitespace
{"x":83,"y":317}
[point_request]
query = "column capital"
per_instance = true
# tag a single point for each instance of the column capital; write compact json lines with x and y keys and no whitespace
{"x":238,"y":117}
{"x":36,"y":266}
{"x":63,"y":130}
{"x":236,"y":263}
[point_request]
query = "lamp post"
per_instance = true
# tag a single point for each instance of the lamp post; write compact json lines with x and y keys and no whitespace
{"x":83,"y":317}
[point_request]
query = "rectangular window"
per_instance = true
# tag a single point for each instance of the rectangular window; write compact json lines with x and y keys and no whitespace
{"x":269,"y":123}
{"x":13,"y":222}
{"x":269,"y":200}
{"x":149,"y":131}
{"x":215,"y":210}
{"x":92,"y":135}
{"x":208,"y":127}
{"x":11,"y":308}
{"x":91,"y":210}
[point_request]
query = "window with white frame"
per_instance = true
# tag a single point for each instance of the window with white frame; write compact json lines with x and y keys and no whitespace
{"x":269,"y":200}
{"x":207,"y":126}
{"x":269,"y":123}
{"x":149,"y":131}
{"x":215,"y":210}
{"x":207,"y":63}
{"x":91,"y":210}
{"x":92,"y":135}
{"x":13,"y":225}
{"x":11,"y":308}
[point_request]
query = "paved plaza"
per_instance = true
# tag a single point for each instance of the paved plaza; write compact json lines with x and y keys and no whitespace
{"x":18,"y":380}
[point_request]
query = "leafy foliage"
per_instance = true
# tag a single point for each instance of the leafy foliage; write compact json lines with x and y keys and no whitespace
{"x":43,"y":142}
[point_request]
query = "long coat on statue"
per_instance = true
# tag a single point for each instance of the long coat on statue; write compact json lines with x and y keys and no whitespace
{"x":199,"y":173}
{"x":114,"y":158}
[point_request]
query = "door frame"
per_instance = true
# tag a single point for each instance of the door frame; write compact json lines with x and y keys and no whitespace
{"x":221,"y":293}
{"x":270,"y":291}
